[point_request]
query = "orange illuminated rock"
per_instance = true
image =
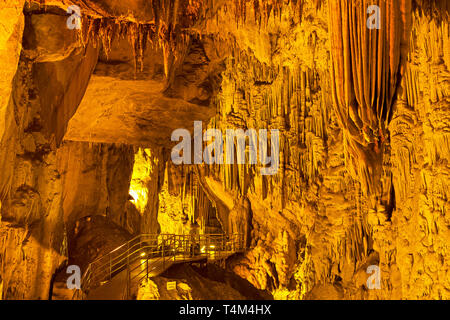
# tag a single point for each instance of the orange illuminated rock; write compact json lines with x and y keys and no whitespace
{"x":363,"y":115}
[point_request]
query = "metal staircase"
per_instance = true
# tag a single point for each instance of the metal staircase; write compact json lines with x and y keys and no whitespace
{"x":148,"y":255}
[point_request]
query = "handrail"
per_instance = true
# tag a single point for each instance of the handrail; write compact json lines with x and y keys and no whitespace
{"x":162,"y":247}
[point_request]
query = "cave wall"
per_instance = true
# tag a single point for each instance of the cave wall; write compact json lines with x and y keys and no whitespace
{"x":49,"y":81}
{"x":320,"y":222}
{"x":418,"y":258}
{"x":12,"y":24}
{"x":32,"y":232}
{"x":315,"y":229}
{"x":315,"y":226}
{"x":145,"y":186}
{"x":95,"y":180}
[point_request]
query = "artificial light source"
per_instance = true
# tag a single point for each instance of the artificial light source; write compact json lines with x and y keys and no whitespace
{"x":143,"y":254}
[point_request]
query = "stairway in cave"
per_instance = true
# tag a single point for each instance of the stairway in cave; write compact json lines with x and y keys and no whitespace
{"x":117,"y":274}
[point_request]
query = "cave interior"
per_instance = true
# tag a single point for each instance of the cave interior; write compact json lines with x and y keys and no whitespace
{"x":99,"y":98}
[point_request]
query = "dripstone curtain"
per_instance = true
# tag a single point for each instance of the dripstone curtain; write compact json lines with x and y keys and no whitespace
{"x":365,"y":70}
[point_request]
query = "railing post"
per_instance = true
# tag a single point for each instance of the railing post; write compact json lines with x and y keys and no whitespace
{"x":190,"y":247}
{"x":110,"y":268}
{"x":128,"y":270}
{"x":163,"y":259}
{"x":174,"y":246}
{"x":223,"y":244}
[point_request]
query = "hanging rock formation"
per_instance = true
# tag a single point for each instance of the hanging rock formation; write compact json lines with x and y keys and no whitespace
{"x":86,"y":118}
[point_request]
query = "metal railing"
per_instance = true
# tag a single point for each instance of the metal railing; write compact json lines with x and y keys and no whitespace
{"x":148,"y":254}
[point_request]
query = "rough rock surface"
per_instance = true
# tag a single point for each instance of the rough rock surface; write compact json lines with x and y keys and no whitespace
{"x":96,"y":179}
{"x":86,"y":118}
{"x":194,"y":283}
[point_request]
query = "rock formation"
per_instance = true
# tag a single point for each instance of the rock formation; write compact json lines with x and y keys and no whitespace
{"x":86,"y":117}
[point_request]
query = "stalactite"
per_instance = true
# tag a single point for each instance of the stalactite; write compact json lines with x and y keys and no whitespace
{"x":264,"y":9}
{"x":365,"y":67}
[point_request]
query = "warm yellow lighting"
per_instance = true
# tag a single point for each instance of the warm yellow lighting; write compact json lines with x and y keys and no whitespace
{"x":142,"y":171}
{"x":139,"y":196}
{"x":203,"y":249}
{"x":212,"y":247}
{"x":143,"y":254}
{"x":135,"y":196}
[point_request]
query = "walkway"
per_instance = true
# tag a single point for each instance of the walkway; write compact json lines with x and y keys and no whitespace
{"x":115,"y":275}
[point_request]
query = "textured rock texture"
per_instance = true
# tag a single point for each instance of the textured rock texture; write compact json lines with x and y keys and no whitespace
{"x":194,"y":283}
{"x":322,"y":221}
{"x":10,"y":44}
{"x":86,"y":118}
{"x":146,"y":183}
{"x":96,"y":179}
